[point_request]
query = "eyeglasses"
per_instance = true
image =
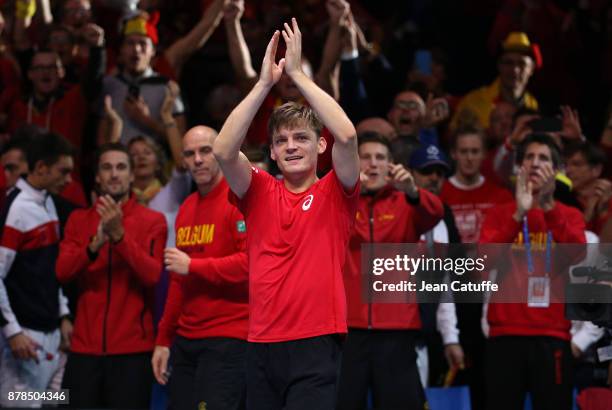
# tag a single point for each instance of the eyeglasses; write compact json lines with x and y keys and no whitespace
{"x":407,"y":105}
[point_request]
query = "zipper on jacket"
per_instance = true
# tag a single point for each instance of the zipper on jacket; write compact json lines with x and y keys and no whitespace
{"x":371,"y":244}
{"x":108,"y":297}
{"x":142,"y":315}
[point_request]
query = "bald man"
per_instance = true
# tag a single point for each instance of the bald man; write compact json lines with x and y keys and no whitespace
{"x":206,"y":314}
{"x":377,"y":125}
{"x":408,"y":116}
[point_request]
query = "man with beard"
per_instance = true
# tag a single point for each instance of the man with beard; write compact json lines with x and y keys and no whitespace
{"x":206,"y":315}
{"x":114,"y":252}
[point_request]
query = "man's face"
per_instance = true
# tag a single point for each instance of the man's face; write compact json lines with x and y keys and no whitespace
{"x":536,"y":155}
{"x":500,"y":121}
{"x":407,"y":113}
{"x":114,"y":175}
{"x":56,"y":176}
{"x":136,"y":53}
{"x":374,"y":162}
{"x":45,"y":73}
{"x":15,"y":165}
{"x":469,"y":154}
{"x":580,"y":172}
{"x":198,"y":157}
{"x":295,"y":150}
{"x":76,"y":13}
{"x":430,"y":178}
{"x":515,"y":69}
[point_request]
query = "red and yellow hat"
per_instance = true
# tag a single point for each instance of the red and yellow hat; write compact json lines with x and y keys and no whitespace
{"x":143,"y":24}
{"x":518,"y":42}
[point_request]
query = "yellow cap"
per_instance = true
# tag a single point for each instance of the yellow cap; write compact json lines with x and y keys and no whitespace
{"x":136,"y":26}
{"x":517,"y":41}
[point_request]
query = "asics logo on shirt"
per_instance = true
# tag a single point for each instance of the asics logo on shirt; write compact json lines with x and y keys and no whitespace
{"x":307,"y":202}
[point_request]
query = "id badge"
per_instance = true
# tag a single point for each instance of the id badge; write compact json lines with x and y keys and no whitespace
{"x":539,"y":292}
{"x":604,"y":353}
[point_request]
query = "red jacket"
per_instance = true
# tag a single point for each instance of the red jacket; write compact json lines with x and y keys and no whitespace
{"x":66,"y":115}
{"x":567,"y":227}
{"x":386,"y":217}
{"x":213,"y":300}
{"x":115,"y":307}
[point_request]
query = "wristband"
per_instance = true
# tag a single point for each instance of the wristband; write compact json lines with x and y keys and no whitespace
{"x":349,"y":55}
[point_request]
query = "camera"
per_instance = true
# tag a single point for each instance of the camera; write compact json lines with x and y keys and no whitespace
{"x":590,"y":301}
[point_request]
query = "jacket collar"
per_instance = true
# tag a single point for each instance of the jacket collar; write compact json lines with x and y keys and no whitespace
{"x":383,"y":192}
{"x":39,"y":195}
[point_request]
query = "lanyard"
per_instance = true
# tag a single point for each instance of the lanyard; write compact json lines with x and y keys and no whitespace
{"x":527,"y":241}
{"x":49,"y":111}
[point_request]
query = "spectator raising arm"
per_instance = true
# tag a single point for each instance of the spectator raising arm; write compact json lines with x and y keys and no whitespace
{"x":237,"y":46}
{"x":173,"y":134}
{"x":327,"y":75}
{"x":111,"y":125}
{"x":181,"y":50}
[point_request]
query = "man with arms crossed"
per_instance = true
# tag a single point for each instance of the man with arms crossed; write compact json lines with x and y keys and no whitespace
{"x":298,"y":233}
{"x":206,"y":313}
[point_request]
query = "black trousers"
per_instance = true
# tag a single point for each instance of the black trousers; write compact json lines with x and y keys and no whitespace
{"x":515,"y":365}
{"x":208,"y":374}
{"x":383,"y":361}
{"x":114,"y":381}
{"x":294,"y":375}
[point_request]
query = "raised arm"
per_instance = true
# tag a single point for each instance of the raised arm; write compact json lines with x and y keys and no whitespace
{"x":344,"y":154}
{"x":328,"y":73}
{"x":226,"y":148}
{"x":237,"y":46}
{"x":181,"y":50}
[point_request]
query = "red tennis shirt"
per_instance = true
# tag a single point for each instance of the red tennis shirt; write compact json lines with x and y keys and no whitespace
{"x":297,"y":246}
